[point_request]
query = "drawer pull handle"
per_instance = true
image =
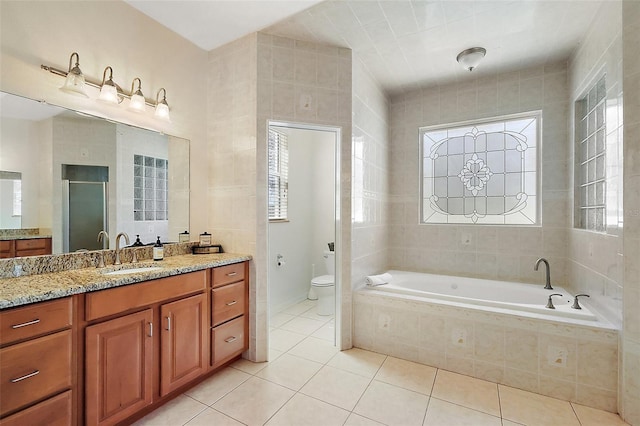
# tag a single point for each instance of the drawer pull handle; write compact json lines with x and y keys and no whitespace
{"x":150,"y":329}
{"x":231,"y":274}
{"x":19,"y":379}
{"x":230,"y":339}
{"x":24,"y":324}
{"x":232,"y":303}
{"x":168,"y":323}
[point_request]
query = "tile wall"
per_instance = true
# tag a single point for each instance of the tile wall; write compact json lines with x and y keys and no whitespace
{"x":631,"y":325}
{"x":504,"y":253}
{"x":573,"y":363}
{"x":594,"y":260}
{"x":371,"y":150}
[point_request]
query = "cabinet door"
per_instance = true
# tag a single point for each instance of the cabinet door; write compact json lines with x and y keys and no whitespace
{"x":118,"y":367}
{"x":183,"y":342}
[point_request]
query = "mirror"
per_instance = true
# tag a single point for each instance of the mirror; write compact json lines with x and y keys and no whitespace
{"x":68,"y":175}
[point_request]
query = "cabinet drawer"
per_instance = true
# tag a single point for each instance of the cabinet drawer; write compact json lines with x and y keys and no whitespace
{"x":227,"y":340}
{"x":120,"y":299}
{"x":5,"y":246}
{"x":55,"y":411}
{"x":228,"y":274}
{"x":32,"y":244}
{"x":34,"y":320}
{"x":34,"y":370}
{"x":228,"y":302}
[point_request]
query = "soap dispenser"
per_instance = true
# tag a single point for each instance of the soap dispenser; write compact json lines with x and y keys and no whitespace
{"x":158,"y":250}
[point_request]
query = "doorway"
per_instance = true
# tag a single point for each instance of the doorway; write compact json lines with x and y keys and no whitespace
{"x":84,"y":206}
{"x":303,"y":233}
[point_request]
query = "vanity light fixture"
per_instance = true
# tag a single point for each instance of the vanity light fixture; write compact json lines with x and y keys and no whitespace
{"x":74,"y":82}
{"x":109,"y":89}
{"x":162,"y":107}
{"x":137,"y":102}
{"x":470,"y":58}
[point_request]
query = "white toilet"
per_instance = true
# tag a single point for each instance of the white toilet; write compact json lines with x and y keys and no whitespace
{"x":324,"y":286}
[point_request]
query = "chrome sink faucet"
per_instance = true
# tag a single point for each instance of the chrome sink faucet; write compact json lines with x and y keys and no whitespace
{"x":101,"y":236}
{"x":547,"y":285}
{"x":126,"y":238}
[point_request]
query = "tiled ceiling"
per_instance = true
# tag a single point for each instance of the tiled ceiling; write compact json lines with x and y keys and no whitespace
{"x":405,"y":44}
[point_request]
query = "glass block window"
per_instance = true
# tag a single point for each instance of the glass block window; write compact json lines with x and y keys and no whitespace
{"x":150,"y":188}
{"x":17,"y":197}
{"x":278,"y":175}
{"x":590,"y":159}
{"x":483,"y":172}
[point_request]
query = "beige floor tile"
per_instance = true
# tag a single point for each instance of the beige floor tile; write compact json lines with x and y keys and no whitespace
{"x":290,"y":371}
{"x":313,"y":314}
{"x":358,"y":361}
{"x":249,"y":367}
{"x":299,"y":308}
{"x":392,"y":405}
{"x":283,"y":340}
{"x":217,"y":385}
{"x":302,"y":410}
{"x":175,"y":412}
{"x":212,"y":417}
{"x":467,"y":391}
{"x":593,"y":417}
{"x":326,"y":332}
{"x":254,"y":401}
{"x":279,"y":319}
{"x":274,"y":354}
{"x":337,"y":387}
{"x":445,"y":413}
{"x":302,"y":325}
{"x":407,"y":374}
{"x":315,"y":349}
{"x":357,"y":420}
{"x":532,"y":409}
{"x":510,"y":423}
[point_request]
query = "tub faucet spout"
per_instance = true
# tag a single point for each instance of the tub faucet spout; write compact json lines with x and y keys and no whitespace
{"x":547,"y":285}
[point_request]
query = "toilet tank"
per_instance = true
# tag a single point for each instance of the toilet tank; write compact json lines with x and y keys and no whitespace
{"x":330,"y":261}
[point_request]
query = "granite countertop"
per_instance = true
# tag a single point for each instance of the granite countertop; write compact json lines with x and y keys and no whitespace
{"x":37,"y":288}
{"x":22,"y":237}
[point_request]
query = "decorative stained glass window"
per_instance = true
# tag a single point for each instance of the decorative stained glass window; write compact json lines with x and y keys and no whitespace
{"x":150,"y":188}
{"x":484,"y":172}
{"x":590,"y":176}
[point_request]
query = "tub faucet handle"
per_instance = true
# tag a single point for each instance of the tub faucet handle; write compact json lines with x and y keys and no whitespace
{"x":576,"y":305}
{"x":550,"y":301}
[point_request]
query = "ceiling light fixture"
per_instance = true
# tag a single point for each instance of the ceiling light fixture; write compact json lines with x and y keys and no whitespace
{"x":109,"y":89}
{"x":470,"y":58}
{"x":74,"y":83}
{"x":162,"y":107}
{"x":110,"y":92}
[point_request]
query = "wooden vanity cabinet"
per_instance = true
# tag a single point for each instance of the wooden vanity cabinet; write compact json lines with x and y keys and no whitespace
{"x":36,"y":363}
{"x":229,"y":312}
{"x":25,"y":247}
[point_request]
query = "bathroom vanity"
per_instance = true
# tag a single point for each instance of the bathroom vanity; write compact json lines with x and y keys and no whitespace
{"x":117,"y":346}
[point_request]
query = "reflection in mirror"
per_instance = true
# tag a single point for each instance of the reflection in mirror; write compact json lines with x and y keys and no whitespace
{"x":10,"y":200}
{"x":81,"y":174}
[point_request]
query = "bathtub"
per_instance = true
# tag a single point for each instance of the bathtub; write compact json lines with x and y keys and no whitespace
{"x":493,"y":330}
{"x":481,"y":293}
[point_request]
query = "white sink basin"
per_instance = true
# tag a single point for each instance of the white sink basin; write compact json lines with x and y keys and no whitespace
{"x":133,"y":270}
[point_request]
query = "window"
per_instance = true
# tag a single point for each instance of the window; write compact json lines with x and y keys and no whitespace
{"x":150,"y":188}
{"x":484,"y":172}
{"x":590,"y":159}
{"x":278,"y":175}
{"x":17,"y":197}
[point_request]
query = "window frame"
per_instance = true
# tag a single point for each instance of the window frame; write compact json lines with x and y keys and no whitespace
{"x":281,"y":204}
{"x":534,"y":114}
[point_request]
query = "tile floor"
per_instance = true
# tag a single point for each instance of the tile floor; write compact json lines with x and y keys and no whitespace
{"x":309,"y":382}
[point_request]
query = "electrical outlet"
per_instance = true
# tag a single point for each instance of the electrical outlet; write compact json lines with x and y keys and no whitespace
{"x":557,"y":356}
{"x":465,"y":239}
{"x":305,"y":101}
{"x":459,"y":337}
{"x":150,"y":229}
{"x":384,"y":322}
{"x":84,"y":152}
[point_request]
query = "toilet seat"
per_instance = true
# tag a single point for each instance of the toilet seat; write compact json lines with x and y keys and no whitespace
{"x":323,"y":281}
